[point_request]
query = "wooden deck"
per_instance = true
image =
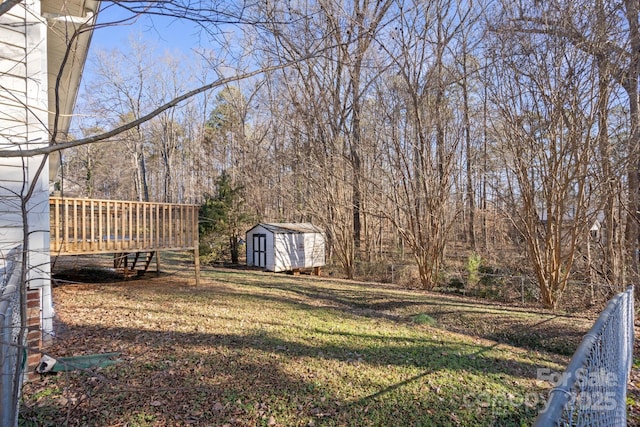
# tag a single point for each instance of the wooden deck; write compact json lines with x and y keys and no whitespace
{"x":93,"y":226}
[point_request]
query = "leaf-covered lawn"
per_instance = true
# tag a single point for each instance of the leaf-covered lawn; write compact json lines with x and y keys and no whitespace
{"x":258,"y":349}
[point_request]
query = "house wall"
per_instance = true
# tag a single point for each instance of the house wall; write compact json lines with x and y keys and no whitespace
{"x":23,"y":125}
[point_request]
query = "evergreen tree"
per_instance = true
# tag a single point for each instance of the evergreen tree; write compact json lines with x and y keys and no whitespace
{"x":221,"y":221}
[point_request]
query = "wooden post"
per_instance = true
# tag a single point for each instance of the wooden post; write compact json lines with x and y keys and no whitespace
{"x":158,"y":262}
{"x":158,"y":226}
{"x":146,"y":243}
{"x":108,"y":225}
{"x":196,"y":242}
{"x":170,"y":221}
{"x":57,"y":226}
{"x":183,"y":225}
{"x":139,"y":245}
{"x":92,"y":221}
{"x":84,"y":225}
{"x":131,"y":232}
{"x":74,"y":224}
{"x":65,"y":224}
{"x":196,"y":262}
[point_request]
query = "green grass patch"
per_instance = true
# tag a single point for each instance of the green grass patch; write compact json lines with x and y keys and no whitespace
{"x":423,"y":319}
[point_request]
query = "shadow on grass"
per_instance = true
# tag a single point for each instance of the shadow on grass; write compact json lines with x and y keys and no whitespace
{"x":198,"y":378}
{"x":560,"y":334}
{"x":530,"y":329}
{"x":314,"y":376}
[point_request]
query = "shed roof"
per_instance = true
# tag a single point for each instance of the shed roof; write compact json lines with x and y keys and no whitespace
{"x":291,"y":227}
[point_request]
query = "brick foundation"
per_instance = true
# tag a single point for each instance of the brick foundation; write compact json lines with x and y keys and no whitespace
{"x":34,"y":333}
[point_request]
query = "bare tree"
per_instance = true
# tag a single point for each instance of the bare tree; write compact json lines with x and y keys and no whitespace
{"x":546,"y":127}
{"x":423,"y":146}
{"x":609,"y":32}
{"x":354,"y":40}
{"x":120,"y":95}
{"x":328,"y":93}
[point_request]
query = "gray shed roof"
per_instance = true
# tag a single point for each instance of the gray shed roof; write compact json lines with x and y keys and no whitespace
{"x":291,"y":227}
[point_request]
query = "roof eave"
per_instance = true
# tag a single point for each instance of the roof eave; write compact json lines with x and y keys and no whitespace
{"x":69,"y":32}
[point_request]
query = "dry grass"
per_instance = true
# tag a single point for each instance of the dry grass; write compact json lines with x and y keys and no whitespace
{"x":258,"y":349}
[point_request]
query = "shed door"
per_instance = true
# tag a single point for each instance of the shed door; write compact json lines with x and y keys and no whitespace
{"x":260,"y":250}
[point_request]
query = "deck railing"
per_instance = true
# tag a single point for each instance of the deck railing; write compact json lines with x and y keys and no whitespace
{"x":92,"y":226}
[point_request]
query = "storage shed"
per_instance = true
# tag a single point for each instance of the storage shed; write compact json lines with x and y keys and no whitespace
{"x":285,"y":246}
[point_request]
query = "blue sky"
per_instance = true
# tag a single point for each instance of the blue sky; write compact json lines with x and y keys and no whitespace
{"x":168,"y":33}
{"x":160,"y":34}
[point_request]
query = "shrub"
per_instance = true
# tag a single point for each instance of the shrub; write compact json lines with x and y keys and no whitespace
{"x":456,"y":283}
{"x":407,"y":276}
{"x":473,"y":269}
{"x":423,"y":319}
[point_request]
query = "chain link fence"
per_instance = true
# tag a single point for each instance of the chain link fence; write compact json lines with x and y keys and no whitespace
{"x":498,"y":286}
{"x":592,"y":391}
{"x":11,"y":350}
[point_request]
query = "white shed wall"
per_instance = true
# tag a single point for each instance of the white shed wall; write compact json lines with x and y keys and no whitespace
{"x":270,"y":261}
{"x":314,"y":248}
{"x":298,"y":250}
{"x":286,"y":251}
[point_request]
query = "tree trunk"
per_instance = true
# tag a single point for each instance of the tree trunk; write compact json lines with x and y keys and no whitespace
{"x":471,"y":230}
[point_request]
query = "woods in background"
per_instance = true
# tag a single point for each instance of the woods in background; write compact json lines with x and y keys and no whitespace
{"x":408,"y":130}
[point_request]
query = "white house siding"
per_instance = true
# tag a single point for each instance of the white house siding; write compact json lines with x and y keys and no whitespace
{"x":13,"y":119}
{"x":23,"y":124}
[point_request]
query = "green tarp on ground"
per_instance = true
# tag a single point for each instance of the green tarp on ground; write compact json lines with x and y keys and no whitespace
{"x":71,"y":363}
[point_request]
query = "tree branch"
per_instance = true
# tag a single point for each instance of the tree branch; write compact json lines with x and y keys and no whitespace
{"x":559,"y":29}
{"x":120,"y":129}
{"x":6,"y":6}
